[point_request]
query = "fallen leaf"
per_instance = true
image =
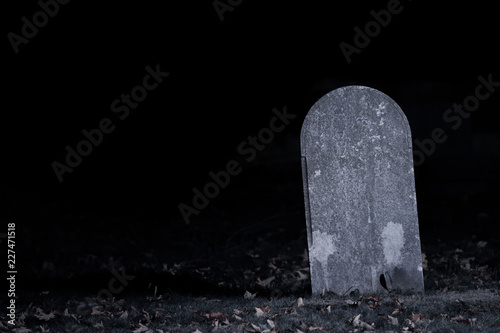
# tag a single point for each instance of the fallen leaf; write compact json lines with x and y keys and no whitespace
{"x":21,"y":330}
{"x":351,"y":302}
{"x":249,"y":295}
{"x":146,"y":316}
{"x":255,"y":327}
{"x":393,"y":320}
{"x":266,"y":309}
{"x":302,"y":276}
{"x":416,"y":316}
{"x":425,"y":263}
{"x":96,"y":311}
{"x":266,"y":282}
{"x":202,"y":314}
{"x":99,"y":325}
{"x":213,"y":315}
{"x":259,"y":312}
{"x":298,"y":303}
{"x":327,"y":308}
{"x":481,"y":244}
{"x":461,"y":319}
{"x":217,"y":315}
{"x":44,"y":316}
{"x":465,"y":263}
{"x":372,"y":298}
{"x":220,"y":323}
{"x":141,"y":328}
{"x":272,"y":266}
{"x":57,"y":312}
{"x":249,"y":253}
{"x":399,"y":303}
{"x":411,"y":325}
{"x":158,"y":314}
{"x":271,"y":323}
{"x":302,"y":326}
{"x":357,"y":322}
{"x":21,"y":318}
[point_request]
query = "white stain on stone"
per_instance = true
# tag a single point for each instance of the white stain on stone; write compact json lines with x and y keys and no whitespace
{"x":322,"y":247}
{"x":419,"y":268}
{"x":393,"y":242}
{"x":317,"y":173}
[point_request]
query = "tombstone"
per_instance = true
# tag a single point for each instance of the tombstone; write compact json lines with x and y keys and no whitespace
{"x":359,"y":189}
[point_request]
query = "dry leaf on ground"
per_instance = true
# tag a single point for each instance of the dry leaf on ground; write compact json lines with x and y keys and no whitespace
{"x":43,"y":316}
{"x":249,"y":295}
{"x":357,"y":322}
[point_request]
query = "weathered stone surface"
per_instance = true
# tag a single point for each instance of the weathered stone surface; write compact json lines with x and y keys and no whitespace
{"x":359,"y":189}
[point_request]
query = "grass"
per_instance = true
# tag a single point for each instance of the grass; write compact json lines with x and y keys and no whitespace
{"x":469,"y":311}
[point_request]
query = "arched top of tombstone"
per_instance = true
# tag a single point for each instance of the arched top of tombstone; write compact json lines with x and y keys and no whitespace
{"x":358,"y":109}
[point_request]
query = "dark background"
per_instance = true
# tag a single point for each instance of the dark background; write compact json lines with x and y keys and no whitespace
{"x":225,"y":79}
